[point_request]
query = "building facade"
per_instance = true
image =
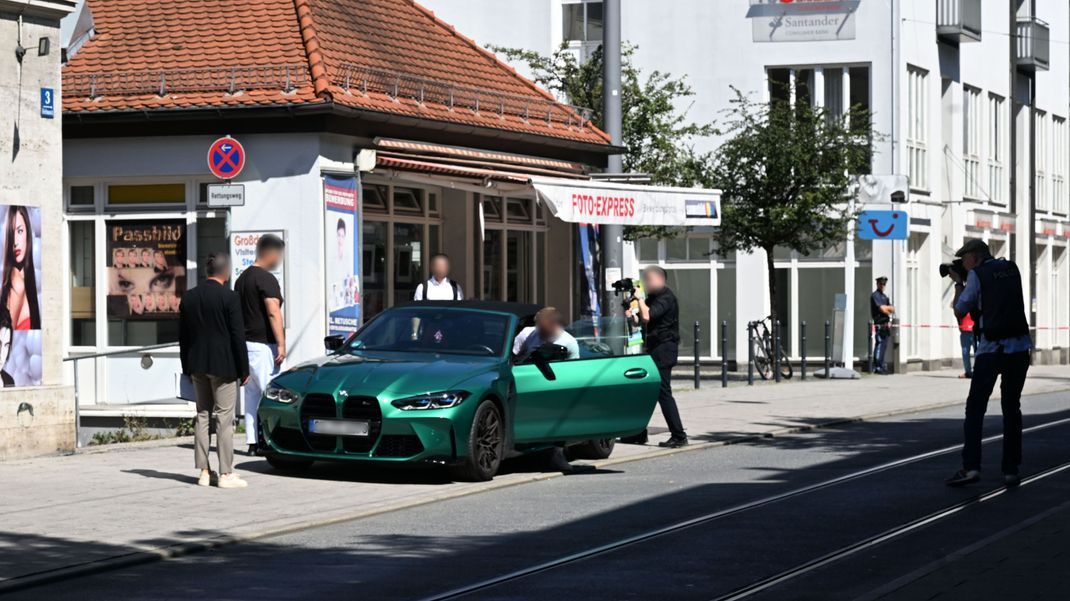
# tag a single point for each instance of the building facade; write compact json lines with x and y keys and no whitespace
{"x":969,"y":101}
{"x":36,"y":408}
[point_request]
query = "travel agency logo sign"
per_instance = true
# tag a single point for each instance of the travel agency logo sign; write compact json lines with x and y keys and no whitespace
{"x":802,"y":20}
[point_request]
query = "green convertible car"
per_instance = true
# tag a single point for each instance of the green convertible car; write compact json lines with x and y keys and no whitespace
{"x":436,"y":382}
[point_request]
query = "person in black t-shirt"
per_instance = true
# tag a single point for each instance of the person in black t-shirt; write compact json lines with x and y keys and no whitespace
{"x":660,"y":312}
{"x":261,"y":303}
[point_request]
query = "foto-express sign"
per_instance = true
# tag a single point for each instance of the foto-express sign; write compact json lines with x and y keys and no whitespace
{"x":628,"y":204}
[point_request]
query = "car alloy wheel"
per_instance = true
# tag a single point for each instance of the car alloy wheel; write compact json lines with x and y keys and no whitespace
{"x":486,"y":445}
{"x":598,"y":448}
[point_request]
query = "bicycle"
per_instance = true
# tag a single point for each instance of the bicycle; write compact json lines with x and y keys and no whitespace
{"x":761,"y":340}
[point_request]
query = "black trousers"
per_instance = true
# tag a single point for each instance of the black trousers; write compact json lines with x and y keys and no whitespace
{"x":665,"y":356}
{"x":1012,"y":369}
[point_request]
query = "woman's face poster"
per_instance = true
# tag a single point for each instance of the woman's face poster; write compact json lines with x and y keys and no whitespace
{"x":20,"y":296}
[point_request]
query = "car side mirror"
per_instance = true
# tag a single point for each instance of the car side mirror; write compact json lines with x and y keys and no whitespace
{"x":333,"y":343}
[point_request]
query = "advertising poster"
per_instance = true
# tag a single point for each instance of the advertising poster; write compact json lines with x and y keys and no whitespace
{"x":20,"y":296}
{"x":342,"y":253}
{"x":243,"y":255}
{"x":146,"y":268}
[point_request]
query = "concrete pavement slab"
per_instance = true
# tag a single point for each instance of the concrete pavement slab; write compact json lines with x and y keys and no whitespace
{"x":97,"y":509}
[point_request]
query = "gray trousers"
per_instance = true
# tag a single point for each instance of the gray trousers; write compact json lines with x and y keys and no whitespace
{"x":214,"y":395}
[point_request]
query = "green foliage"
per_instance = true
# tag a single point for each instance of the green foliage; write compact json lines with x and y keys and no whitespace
{"x":135,"y":429}
{"x":785,"y":173}
{"x":185,"y":427}
{"x":657,"y":135}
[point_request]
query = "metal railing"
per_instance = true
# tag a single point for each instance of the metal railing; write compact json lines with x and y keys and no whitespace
{"x":143,"y":350}
{"x":231,"y":80}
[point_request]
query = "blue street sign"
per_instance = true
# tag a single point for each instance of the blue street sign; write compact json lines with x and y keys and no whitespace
{"x":883,"y":225}
{"x":48,"y":103}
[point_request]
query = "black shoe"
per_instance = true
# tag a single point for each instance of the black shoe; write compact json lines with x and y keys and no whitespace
{"x":640,"y":438}
{"x":253,"y":450}
{"x":558,"y":462}
{"x":1011,"y":480}
{"x":674,"y":443}
{"x":963,"y":477}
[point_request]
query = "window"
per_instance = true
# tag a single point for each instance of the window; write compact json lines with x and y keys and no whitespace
{"x":512,"y":259}
{"x":917,"y":127}
{"x":1060,"y":156}
{"x":147,"y":195}
{"x":1040,"y":174}
{"x":996,"y":144}
{"x":83,"y":283}
{"x":582,"y":22}
{"x":971,"y":142}
{"x":82,"y":198}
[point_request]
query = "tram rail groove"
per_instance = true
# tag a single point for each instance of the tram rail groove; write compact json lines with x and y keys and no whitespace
{"x":610,"y":547}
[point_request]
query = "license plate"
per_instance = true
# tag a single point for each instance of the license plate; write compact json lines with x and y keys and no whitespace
{"x":338,"y":427}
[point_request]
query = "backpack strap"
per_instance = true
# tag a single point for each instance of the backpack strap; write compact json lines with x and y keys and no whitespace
{"x":456,"y":289}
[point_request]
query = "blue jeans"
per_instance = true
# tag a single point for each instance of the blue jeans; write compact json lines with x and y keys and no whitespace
{"x":968,"y":344}
{"x":882,"y":338}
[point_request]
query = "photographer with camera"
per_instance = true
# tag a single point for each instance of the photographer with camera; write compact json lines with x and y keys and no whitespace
{"x":993,"y":293}
{"x":967,"y":341}
{"x":660,"y":313}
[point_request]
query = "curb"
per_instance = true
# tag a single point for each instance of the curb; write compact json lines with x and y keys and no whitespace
{"x":135,"y":558}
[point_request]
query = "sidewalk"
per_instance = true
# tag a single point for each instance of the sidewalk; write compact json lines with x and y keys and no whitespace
{"x":131,"y":503}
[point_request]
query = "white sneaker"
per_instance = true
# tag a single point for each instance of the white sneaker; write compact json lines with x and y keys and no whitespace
{"x":231,"y":480}
{"x":206,"y":478}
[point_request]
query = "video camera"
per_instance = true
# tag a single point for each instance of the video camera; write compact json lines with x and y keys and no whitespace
{"x":956,"y":267}
{"x":626,"y":287}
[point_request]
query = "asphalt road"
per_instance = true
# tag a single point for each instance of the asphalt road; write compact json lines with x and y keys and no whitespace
{"x":426,"y":551}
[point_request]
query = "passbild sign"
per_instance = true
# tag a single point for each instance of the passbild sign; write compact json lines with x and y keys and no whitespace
{"x":597,"y":202}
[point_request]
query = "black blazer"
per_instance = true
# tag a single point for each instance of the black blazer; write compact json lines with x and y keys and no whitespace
{"x":211,"y":332}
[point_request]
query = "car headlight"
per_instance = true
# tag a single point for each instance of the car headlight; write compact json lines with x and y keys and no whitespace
{"x":432,"y":400}
{"x":280,"y":394}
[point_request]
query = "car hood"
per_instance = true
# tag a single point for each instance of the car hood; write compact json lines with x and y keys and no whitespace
{"x":392,"y":377}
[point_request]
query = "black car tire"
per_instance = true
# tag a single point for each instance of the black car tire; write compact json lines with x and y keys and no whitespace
{"x":486,"y":445}
{"x":290,"y":464}
{"x":600,"y":448}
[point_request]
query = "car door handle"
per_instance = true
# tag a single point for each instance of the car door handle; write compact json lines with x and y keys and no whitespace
{"x":635,"y":373}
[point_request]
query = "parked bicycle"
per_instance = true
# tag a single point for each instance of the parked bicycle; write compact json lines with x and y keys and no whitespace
{"x":761,"y":339}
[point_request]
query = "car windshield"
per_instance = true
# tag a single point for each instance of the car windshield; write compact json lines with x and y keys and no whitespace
{"x":433,"y":330}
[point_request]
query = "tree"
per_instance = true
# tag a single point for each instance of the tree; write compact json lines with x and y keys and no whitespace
{"x":658,"y":136}
{"x":785,"y":172}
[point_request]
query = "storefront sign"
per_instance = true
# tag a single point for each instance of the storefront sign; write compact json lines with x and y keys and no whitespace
{"x":226,"y":195}
{"x":341,"y":237}
{"x":604,"y":202}
{"x":20,"y":294}
{"x":146,"y":268}
{"x":883,"y":225}
{"x":243,"y":255}
{"x":226,"y":158}
{"x":802,"y":20}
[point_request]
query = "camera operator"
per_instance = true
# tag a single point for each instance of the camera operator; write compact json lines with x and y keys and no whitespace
{"x":660,"y":312}
{"x":993,"y":292}
{"x":958,"y":275}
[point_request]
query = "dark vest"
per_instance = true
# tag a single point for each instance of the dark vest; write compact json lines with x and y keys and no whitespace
{"x":1002,"y":307}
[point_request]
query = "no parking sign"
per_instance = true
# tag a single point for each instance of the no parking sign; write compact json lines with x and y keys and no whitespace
{"x":226,"y":158}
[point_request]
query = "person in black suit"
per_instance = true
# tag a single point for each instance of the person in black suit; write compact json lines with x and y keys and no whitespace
{"x":214,"y":356}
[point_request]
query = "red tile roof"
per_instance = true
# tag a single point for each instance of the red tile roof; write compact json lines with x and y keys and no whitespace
{"x":391,"y":56}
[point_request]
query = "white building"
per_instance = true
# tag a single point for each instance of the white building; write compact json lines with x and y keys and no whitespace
{"x":971,"y":97}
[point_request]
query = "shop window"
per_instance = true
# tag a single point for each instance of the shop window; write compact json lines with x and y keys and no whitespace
{"x":779,"y":84}
{"x":492,"y":260}
{"x":432,"y":203}
{"x":408,"y":260}
{"x":83,"y":280}
{"x":518,"y":266}
{"x":492,"y":209}
{"x":211,"y":237}
{"x":82,"y":197}
{"x":407,"y":200}
{"x":692,"y":290}
{"x":818,"y":288}
{"x":374,"y":198}
{"x":146,"y":273}
{"x":864,"y":287}
{"x":374,"y":264}
{"x":147,"y":194}
{"x":648,"y":250}
{"x":726,"y":308}
{"x":540,"y":267}
{"x":518,"y":210}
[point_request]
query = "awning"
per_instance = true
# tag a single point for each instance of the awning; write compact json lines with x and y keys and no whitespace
{"x":570,"y":196}
{"x":593,"y":201}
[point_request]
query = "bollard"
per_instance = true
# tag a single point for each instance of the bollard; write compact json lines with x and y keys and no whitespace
{"x":828,"y":349}
{"x":697,"y":354}
{"x":802,"y":347}
{"x":869,"y":345}
{"x":724,"y":354}
{"x":776,"y":350}
{"x":750,"y":355}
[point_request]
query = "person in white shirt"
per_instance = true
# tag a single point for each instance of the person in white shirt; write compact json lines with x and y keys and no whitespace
{"x":439,"y":286}
{"x":549,"y":328}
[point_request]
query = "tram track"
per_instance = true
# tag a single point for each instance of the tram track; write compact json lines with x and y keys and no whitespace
{"x":791,"y":573}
